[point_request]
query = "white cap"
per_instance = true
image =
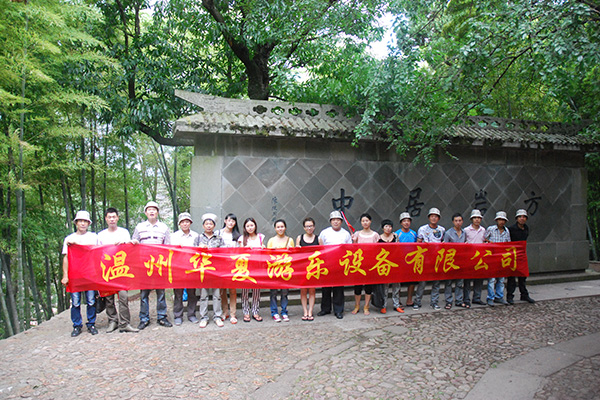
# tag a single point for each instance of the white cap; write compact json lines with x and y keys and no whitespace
{"x":152,"y":204}
{"x":434,"y":211}
{"x":183,"y":216}
{"x":84,"y":215}
{"x":405,"y":215}
{"x":210,"y":216}
{"x":501,"y":215}
{"x":475,"y":213}
{"x":521,"y":212}
{"x":335,"y":214}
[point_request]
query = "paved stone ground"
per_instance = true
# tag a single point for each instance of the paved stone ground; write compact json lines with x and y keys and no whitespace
{"x":416,"y":355}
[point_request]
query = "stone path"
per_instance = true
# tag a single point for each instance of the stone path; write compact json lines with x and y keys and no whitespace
{"x":418,"y":355}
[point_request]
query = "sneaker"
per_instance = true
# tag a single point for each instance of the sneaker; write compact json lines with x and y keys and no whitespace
{"x":143,"y":325}
{"x":76,"y":331}
{"x":500,"y":301}
{"x":383,"y":310}
{"x":435,"y":307}
{"x":285,"y":318}
{"x":276,"y":318}
{"x":399,"y":309}
{"x":92,"y":329}
{"x":416,"y":306}
{"x":193,"y":319}
{"x":203,"y":323}
{"x":490,"y":303}
{"x":219,"y":322}
{"x":178,"y":321}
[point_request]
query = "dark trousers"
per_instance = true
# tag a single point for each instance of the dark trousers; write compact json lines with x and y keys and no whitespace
{"x":338,"y":299}
{"x":178,"y":303}
{"x":511,"y":285}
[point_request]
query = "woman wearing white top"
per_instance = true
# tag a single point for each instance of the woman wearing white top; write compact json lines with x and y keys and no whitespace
{"x":251,"y":239}
{"x":366,"y":235}
{"x":230,"y":234}
{"x":280,"y":241}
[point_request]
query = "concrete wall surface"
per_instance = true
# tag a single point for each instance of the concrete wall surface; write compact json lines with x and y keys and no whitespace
{"x":292,"y":178}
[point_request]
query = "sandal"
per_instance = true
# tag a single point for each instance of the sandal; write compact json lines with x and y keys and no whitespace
{"x":310,"y":318}
{"x":233,"y":320}
{"x":246,"y":318}
{"x":448,"y":306}
{"x":305,"y":318}
{"x":410,"y":304}
{"x":355,"y":311}
{"x":366,"y":311}
{"x":257,"y":318}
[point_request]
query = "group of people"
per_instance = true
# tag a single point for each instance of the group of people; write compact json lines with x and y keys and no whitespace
{"x":224,"y":301}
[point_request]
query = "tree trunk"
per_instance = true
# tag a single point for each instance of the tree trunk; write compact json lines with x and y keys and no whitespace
{"x":104,"y":205}
{"x":5,"y":313}
{"x":83,"y":178}
{"x":60,"y":291}
{"x":125,"y":184}
{"x":48,"y":306}
{"x":34,"y":288}
{"x":10,"y":292}
{"x":93,"y":183}
{"x":63,"y":185}
{"x":175,"y":202}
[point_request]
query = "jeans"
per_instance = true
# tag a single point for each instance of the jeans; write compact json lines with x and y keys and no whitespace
{"x":495,"y":288}
{"x":396,"y":295}
{"x":435,"y":292}
{"x":90,"y":298}
{"x":161,"y":305}
{"x":216,"y":300}
{"x":458,"y":291}
{"x":284,"y":301}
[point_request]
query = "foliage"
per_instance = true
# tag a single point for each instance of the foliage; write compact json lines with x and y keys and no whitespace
{"x":531,"y":60}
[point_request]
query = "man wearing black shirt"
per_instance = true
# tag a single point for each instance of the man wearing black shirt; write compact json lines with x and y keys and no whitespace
{"x":518,"y":232}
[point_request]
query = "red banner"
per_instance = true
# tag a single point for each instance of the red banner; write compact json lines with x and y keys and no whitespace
{"x":129,"y":266}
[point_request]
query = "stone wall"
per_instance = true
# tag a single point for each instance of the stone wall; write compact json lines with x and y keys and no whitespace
{"x":291,"y":178}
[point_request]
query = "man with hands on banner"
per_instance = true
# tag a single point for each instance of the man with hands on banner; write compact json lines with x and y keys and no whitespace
{"x":116,"y":235}
{"x":430,"y":233}
{"x":335,"y":234}
{"x":208,"y":239}
{"x":152,"y":231}
{"x":497,"y":234}
{"x":184,"y":237}
{"x":82,"y":221}
{"x":474,"y":233}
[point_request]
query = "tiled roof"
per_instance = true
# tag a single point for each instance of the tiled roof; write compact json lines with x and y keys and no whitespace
{"x":267,"y":118}
{"x":521,"y":132}
{"x":255,"y":117}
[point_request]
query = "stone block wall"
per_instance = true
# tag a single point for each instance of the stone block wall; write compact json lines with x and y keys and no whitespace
{"x":291,"y":178}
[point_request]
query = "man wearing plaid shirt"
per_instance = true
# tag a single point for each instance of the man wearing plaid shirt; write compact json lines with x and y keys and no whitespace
{"x":497,"y":234}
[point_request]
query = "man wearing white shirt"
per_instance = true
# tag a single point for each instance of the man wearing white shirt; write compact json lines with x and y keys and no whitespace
{"x":116,"y":235}
{"x":184,"y":237}
{"x":81,"y":236}
{"x":335,"y":234}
